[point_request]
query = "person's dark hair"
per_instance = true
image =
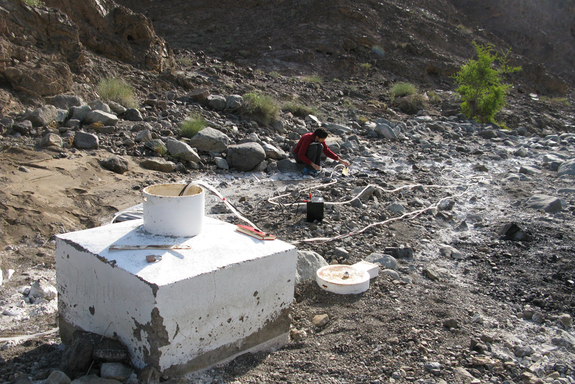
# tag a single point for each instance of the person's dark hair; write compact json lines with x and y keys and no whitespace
{"x":320,"y":133}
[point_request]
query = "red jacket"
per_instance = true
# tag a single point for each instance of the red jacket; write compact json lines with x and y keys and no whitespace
{"x":303,"y":144}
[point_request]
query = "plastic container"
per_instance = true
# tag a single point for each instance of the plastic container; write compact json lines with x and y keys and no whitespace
{"x":166,"y":213}
{"x":342,"y":279}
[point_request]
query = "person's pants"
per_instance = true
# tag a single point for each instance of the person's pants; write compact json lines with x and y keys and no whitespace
{"x":313,"y":153}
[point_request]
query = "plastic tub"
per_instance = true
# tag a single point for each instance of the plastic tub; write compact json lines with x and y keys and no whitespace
{"x":166,"y":213}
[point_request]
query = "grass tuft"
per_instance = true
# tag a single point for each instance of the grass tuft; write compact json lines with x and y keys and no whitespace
{"x":299,"y":110}
{"x":261,"y":108}
{"x":402,"y":89}
{"x":192,"y":125}
{"x":117,"y":90}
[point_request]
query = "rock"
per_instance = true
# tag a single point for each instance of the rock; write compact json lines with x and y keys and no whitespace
{"x":221,"y":163}
{"x":513,"y":232}
{"x":41,"y":289}
{"x":217,"y":102}
{"x":527,"y":170}
{"x":383,"y":260}
{"x":144,"y":136}
{"x":567,"y":168}
{"x":463,"y":376}
{"x":51,"y":140}
{"x":340,"y":252}
{"x":446,"y":205}
{"x":80,"y":113}
{"x":449,"y":251}
{"x":565,"y":320}
{"x":338,"y":129}
{"x":234,"y":102}
{"x":58,"y":377}
{"x":298,"y":334}
{"x":183,"y":151}
{"x":158,"y":164}
{"x":396,"y":208}
{"x":116,"y":371}
{"x":450,"y":323}
{"x":98,"y":116}
{"x":320,"y":320}
{"x":83,"y":140}
{"x":157,"y":146}
{"x":99,"y":105}
{"x":487,"y":134}
{"x":400,"y":253}
{"x":48,"y":79}
{"x":394,"y":275}
{"x":118,"y":109}
{"x":149,"y":375}
{"x":66,"y":101}
{"x":522,"y":351}
{"x":133,"y":114}
{"x":308,"y":262}
{"x":116,"y":164}
{"x":273,"y":152}
{"x":94,"y":379}
{"x":43,"y":116}
{"x":287,"y":166}
{"x":245,"y":157}
{"x":22,"y":127}
{"x":79,"y":353}
{"x":548,"y":203}
{"x":384,"y":128}
{"x":210,"y":140}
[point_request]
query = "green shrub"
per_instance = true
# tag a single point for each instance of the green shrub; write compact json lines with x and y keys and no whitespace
{"x":117,"y":90}
{"x":275,"y":75}
{"x":192,"y":125}
{"x":556,"y":100}
{"x":480,"y":83}
{"x":261,"y":108}
{"x":33,"y":3}
{"x":402,"y":89}
{"x":299,"y":110}
{"x":316,"y":79}
{"x":185,"y":61}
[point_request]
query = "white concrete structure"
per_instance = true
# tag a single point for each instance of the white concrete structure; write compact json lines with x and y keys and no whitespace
{"x":214,"y":296}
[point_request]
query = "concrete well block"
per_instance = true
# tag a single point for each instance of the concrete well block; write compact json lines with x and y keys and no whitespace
{"x":209,"y":299}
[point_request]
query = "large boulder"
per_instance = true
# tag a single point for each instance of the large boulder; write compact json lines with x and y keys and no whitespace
{"x":246,"y":156}
{"x":98,"y":116}
{"x":210,"y":140}
{"x":43,"y":116}
{"x":181,"y":150}
{"x":83,"y":140}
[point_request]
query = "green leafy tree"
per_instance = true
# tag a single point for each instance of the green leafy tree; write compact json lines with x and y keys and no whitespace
{"x":481,"y":85}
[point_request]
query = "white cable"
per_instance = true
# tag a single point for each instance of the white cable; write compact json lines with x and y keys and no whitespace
{"x":215,"y":192}
{"x":414,"y":214}
{"x":28,"y":337}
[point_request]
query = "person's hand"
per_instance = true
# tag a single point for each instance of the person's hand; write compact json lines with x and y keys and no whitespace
{"x":315,"y":166}
{"x":344,"y":162}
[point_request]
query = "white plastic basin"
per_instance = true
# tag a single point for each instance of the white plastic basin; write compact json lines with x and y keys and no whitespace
{"x":342,"y":279}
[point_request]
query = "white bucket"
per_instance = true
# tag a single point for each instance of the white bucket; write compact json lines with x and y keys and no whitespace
{"x":166,"y":213}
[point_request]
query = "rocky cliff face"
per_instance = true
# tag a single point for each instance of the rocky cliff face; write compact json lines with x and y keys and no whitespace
{"x":42,"y":48}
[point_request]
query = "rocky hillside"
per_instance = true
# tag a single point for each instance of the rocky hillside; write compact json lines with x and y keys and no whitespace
{"x":419,"y":41}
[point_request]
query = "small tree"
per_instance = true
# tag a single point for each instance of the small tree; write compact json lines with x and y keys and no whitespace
{"x":480,"y":83}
